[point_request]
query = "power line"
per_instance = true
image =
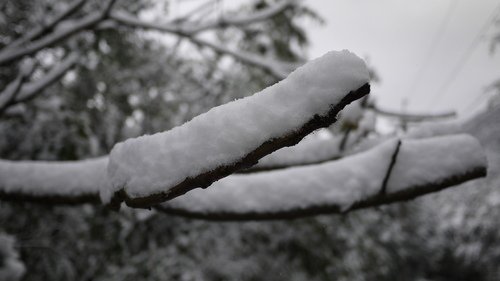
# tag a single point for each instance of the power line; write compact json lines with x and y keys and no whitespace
{"x":458,"y":67}
{"x":438,"y":35}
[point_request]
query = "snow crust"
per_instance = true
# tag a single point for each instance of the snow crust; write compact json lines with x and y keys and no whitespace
{"x":225,"y":134}
{"x":341,"y":182}
{"x":53,"y":178}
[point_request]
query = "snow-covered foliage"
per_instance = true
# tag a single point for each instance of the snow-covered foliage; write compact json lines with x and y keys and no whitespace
{"x":11,"y":268}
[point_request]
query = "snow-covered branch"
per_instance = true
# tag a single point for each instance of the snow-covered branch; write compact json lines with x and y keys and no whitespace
{"x":409,"y":117}
{"x":53,"y":182}
{"x":244,"y":19}
{"x":10,"y":93}
{"x":315,"y":150}
{"x":276,"y":68}
{"x":421,"y":167}
{"x":30,"y":90}
{"x":235,"y":135}
{"x":65,"y":30}
{"x":62,"y":30}
{"x":145,"y":171}
{"x":310,"y":150}
{"x":47,"y":27}
{"x":188,"y":29}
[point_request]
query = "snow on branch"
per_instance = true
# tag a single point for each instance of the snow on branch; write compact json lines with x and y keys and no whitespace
{"x":30,"y":90}
{"x":62,"y":30}
{"x":276,"y":68}
{"x":185,"y":28}
{"x":435,"y":128}
{"x":245,"y":19}
{"x":314,"y":150}
{"x":9,"y":94}
{"x":46,"y":27}
{"x":419,"y":167}
{"x":152,"y":169}
{"x":65,"y":30}
{"x":53,"y":182}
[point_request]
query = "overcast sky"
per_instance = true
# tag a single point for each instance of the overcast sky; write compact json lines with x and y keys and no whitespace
{"x":433,"y":53}
{"x":415,"y":46}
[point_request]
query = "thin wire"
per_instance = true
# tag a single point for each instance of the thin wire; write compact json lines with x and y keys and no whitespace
{"x":432,"y":48}
{"x":458,"y":67}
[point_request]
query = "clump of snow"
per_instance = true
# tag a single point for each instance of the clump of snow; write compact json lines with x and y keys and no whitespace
{"x":11,"y":268}
{"x":152,"y":164}
{"x":54,"y":178}
{"x":427,"y":161}
{"x":342,"y":182}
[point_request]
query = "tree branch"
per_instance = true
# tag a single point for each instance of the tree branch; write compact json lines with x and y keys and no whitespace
{"x":244,"y":20}
{"x":325,"y":188}
{"x":408,"y":117}
{"x":278,"y":69}
{"x":53,"y":182}
{"x":46,"y":28}
{"x":70,"y":28}
{"x":316,"y":151}
{"x":9,"y":94}
{"x":31,"y":90}
{"x":189,"y":29}
{"x":294,"y":193}
{"x":65,"y":29}
{"x":275,"y":68}
{"x":383,"y":189}
{"x":204,"y":179}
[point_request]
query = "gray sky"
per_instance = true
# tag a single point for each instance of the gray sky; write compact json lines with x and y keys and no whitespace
{"x":397,"y":37}
{"x":416,"y":47}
